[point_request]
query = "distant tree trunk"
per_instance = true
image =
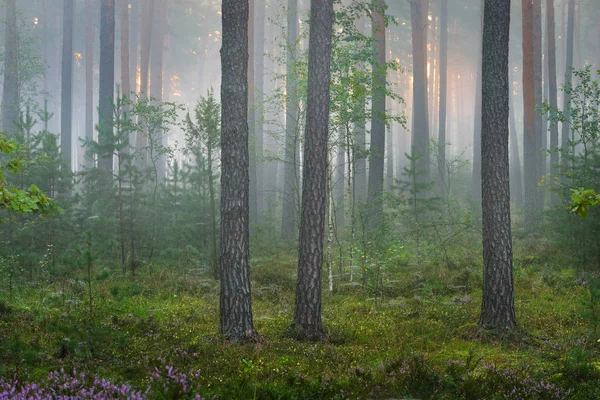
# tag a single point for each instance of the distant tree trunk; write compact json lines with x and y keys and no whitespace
{"x":568,"y":81}
{"x":551,"y":57}
{"x":420,"y":139}
{"x":360,"y":159}
{"x":125,"y":84}
{"x":290,"y":187}
{"x":107,"y":85}
{"x":252,"y":116}
{"x":497,"y":306}
{"x":339,"y":181}
{"x":134,"y":36}
{"x":377,"y":153}
{"x":389,"y":158}
{"x":10,"y":92}
{"x":539,"y":87}
{"x":515,"y":161}
{"x":89,"y":77}
{"x":476,"y":182}
{"x":156,"y":74}
{"x":529,"y":134}
{"x":259,"y":89}
{"x":235,"y":299}
{"x":307,"y":311}
{"x":66,"y":92}
{"x":443,"y":94}
{"x":141,"y":140}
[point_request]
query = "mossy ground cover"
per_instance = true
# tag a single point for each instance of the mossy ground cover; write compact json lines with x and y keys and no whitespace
{"x":415,"y":337}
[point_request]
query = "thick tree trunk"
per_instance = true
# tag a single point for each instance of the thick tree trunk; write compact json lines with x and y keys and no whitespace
{"x":420,"y":136}
{"x":377,"y":153}
{"x":566,"y":131}
{"x":529,"y":134}
{"x":552,"y":81}
{"x":107,"y":85}
{"x":443,"y":95}
{"x":235,"y":299}
{"x":497,"y":306}
{"x":307,"y":311}
{"x":66,"y":92}
{"x":476,"y":182}
{"x":290,"y":179}
{"x":89,"y":77}
{"x":10,"y":91}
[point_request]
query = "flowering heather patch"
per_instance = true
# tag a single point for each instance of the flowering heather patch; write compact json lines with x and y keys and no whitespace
{"x":166,"y":382}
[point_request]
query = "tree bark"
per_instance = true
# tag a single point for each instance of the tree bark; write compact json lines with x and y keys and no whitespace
{"x":141,"y":140}
{"x":420,"y":139}
{"x":290,"y":187}
{"x":66,"y":92}
{"x":339,"y":180}
{"x":252,"y":116}
{"x":307,"y":310}
{"x":553,"y":92}
{"x":106,"y":85}
{"x":540,"y":159}
{"x":497,"y":307}
{"x":515,"y":161}
{"x":360,"y":159}
{"x":89,"y":77}
{"x":125,"y":83}
{"x":476,"y":183}
{"x":235,"y":299}
{"x":156,"y":74}
{"x":259,"y":89}
{"x":443,"y":59}
{"x":134,"y":36}
{"x":377,"y":153}
{"x":10,"y":92}
{"x":566,"y":129}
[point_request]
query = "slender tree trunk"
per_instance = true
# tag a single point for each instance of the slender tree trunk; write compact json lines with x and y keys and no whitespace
{"x":539,"y":87}
{"x":107,"y":85}
{"x":66,"y":95}
{"x":339,"y":181}
{"x":568,"y":81}
{"x":359,"y":139}
{"x":10,"y":92}
{"x":515,"y":161}
{"x":89,"y":77}
{"x":420,"y":137}
{"x":290,"y":206}
{"x":476,"y":183}
{"x":252,"y":116}
{"x":156,"y":76}
{"x":235,"y":299}
{"x":443,"y":94}
{"x":259,"y":89}
{"x":125,"y":83}
{"x":497,"y":306}
{"x":307,"y":310}
{"x":552,"y":81}
{"x":389,"y":159}
{"x":134,"y":36}
{"x":377,"y":153}
{"x":141,"y":141}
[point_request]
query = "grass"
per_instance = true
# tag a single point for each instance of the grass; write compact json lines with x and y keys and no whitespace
{"x":415,"y":336}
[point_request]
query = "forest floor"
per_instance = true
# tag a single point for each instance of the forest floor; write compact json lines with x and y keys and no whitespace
{"x":413,"y":335}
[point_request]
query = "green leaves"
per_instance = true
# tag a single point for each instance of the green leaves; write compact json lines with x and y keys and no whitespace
{"x":582,"y":200}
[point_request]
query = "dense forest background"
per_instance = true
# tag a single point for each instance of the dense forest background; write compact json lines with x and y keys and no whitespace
{"x":331,"y":219}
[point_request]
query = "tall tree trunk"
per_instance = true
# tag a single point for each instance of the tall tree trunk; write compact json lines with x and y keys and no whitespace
{"x":252,"y":116}
{"x":89,"y":77}
{"x":515,"y":161}
{"x":339,"y":181}
{"x":360,"y":159}
{"x":443,"y":94}
{"x":107,"y":85}
{"x":476,"y":182}
{"x":529,"y":134}
{"x":125,"y":84}
{"x":66,"y":92}
{"x":290,"y":188}
{"x":497,"y":306}
{"x":420,"y":139}
{"x":552,"y":81}
{"x":10,"y":92}
{"x":156,"y":75}
{"x":259,"y":89}
{"x":377,"y":153}
{"x":235,"y":299}
{"x":568,"y":81}
{"x":389,"y":159}
{"x":141,"y":140}
{"x":539,"y":87}
{"x":134,"y":36}
{"x":307,"y":310}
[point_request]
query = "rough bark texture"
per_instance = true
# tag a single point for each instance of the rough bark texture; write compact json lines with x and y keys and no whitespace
{"x":443,"y":93}
{"x":377,"y":153}
{"x":529,"y":136}
{"x":290,"y":179}
{"x":66,"y":89}
{"x":476,"y":178}
{"x":10,"y":91}
{"x":235,"y":301}
{"x":89,"y":76}
{"x":566,"y":131}
{"x":420,"y":140}
{"x":307,"y":311}
{"x":552,"y":81}
{"x":107,"y":84}
{"x":497,"y":307}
